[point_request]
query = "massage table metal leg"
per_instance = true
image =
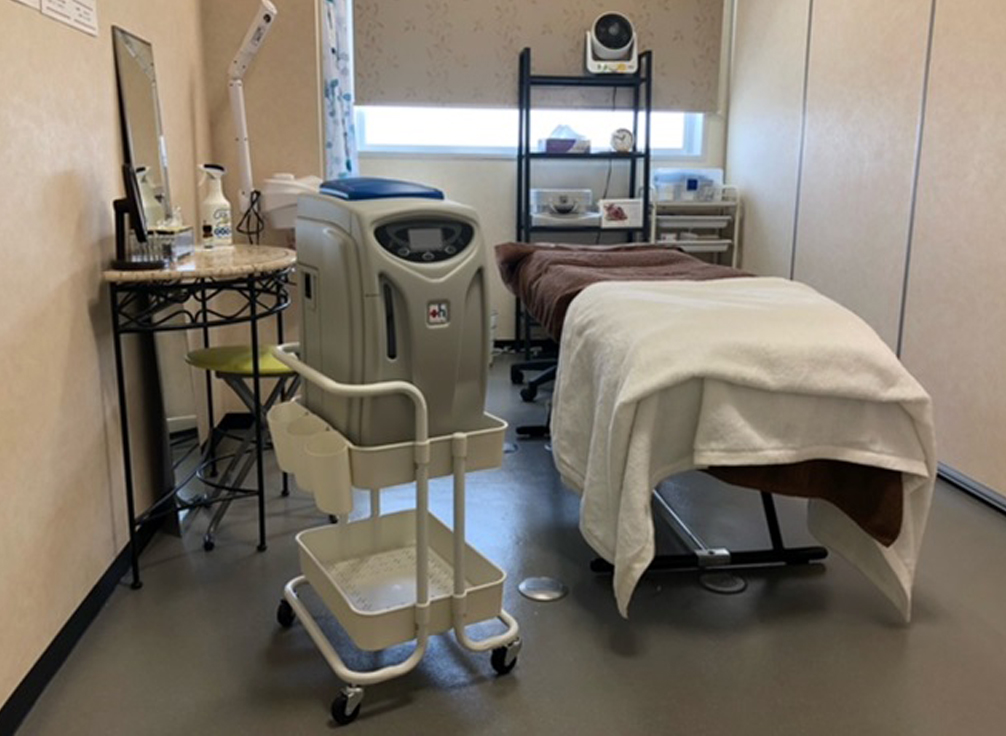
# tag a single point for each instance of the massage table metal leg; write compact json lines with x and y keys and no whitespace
{"x":703,"y":557}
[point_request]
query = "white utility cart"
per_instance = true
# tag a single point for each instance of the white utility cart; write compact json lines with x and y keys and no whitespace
{"x":391,"y":578}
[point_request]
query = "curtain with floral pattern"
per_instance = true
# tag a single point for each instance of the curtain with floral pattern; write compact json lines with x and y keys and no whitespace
{"x":341,"y":159}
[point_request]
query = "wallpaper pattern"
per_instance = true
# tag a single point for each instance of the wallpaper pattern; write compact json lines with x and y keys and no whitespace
{"x":464,"y":52}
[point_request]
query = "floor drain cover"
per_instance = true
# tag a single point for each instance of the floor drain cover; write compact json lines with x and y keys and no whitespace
{"x":723,"y":582}
{"x":542,"y":589}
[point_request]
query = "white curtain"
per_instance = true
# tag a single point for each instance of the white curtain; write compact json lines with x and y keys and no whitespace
{"x":341,"y":159}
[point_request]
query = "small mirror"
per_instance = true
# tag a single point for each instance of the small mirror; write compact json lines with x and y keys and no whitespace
{"x":140,"y":115}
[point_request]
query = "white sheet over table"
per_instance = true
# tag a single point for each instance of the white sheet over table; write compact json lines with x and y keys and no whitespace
{"x":656,"y":378}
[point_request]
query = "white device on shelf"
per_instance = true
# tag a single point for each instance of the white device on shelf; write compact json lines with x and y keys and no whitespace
{"x":563,"y":208}
{"x":611,"y":45}
{"x":279,"y":198}
{"x":260,"y":26}
{"x":561,"y":201}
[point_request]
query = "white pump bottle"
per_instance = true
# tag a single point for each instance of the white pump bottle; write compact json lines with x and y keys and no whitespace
{"x":215,"y":210}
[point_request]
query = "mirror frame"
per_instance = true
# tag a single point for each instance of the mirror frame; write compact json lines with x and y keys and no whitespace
{"x":119,"y":35}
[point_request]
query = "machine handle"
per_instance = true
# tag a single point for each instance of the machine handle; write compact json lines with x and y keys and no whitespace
{"x":285,"y":354}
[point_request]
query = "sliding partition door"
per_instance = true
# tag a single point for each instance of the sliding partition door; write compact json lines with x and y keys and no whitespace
{"x":955,"y":318}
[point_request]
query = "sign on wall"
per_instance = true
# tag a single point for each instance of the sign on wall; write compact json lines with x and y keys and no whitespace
{"x":79,"y":14}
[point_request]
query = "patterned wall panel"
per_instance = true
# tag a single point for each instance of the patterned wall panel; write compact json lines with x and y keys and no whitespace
{"x":464,"y":52}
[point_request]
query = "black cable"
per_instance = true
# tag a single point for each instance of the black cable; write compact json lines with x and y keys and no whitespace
{"x":252,"y":223}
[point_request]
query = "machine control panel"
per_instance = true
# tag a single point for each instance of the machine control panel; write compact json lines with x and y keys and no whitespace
{"x":425,"y":240}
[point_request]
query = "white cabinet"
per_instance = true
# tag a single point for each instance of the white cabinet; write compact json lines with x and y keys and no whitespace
{"x":710,"y":230}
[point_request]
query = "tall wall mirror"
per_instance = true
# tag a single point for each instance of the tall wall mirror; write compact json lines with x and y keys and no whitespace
{"x":143,"y":143}
{"x":140,"y":115}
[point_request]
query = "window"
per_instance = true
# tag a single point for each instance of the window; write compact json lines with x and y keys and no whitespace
{"x":494,"y":130}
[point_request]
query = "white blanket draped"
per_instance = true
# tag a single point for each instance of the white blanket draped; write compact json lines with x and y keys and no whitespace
{"x":656,"y":378}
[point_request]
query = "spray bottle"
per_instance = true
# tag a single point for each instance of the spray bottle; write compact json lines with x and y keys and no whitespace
{"x":215,"y":210}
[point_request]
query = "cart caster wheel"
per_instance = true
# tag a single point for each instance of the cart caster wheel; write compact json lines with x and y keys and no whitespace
{"x":346,"y":707}
{"x":285,"y":615}
{"x":499,"y":660}
{"x":208,"y":543}
{"x":333,"y":519}
{"x":528,"y":393}
{"x":516,"y":376}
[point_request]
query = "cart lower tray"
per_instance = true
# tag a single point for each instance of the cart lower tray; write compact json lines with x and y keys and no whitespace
{"x":365,"y":572}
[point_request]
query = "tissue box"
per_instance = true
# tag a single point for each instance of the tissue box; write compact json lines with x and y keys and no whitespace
{"x":565,"y":145}
{"x":621,"y":213}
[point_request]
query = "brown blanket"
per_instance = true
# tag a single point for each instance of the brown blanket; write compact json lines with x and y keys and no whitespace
{"x":548,"y":277}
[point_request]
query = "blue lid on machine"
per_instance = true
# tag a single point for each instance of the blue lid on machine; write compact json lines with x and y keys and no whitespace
{"x":367,"y":187}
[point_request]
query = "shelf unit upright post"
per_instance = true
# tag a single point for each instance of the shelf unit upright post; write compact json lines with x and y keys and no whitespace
{"x":640,"y":83}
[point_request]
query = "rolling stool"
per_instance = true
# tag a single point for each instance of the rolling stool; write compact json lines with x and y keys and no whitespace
{"x":233,"y":364}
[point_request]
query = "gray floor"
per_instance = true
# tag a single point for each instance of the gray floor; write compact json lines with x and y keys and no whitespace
{"x":803,"y":651}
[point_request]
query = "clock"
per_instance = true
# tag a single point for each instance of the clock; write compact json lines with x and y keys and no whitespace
{"x":622,"y":140}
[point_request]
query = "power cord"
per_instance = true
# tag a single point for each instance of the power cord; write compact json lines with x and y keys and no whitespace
{"x":252,"y":224}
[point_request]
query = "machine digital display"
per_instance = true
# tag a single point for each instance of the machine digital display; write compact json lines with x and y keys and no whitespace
{"x":425,"y":239}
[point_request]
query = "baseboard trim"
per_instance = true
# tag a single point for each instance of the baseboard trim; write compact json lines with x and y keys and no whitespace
{"x":23,"y":699}
{"x":973,"y":488}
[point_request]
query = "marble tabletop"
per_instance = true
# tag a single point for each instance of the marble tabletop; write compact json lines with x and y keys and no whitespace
{"x":220,"y":262}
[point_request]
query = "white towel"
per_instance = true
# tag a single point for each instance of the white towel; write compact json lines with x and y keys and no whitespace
{"x":656,"y":378}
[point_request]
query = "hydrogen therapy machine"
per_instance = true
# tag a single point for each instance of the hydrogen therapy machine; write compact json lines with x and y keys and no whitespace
{"x":393,"y":286}
{"x":394,"y":351}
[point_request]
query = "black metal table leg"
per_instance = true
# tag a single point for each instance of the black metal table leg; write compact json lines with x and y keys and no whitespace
{"x":257,"y":389}
{"x":127,"y":462}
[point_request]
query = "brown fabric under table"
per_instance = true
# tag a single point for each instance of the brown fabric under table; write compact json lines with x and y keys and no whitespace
{"x":547,"y":277}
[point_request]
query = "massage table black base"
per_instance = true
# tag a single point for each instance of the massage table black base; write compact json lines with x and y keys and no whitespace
{"x":708,"y":559}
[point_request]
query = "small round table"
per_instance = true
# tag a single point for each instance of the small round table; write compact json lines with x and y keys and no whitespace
{"x":179,"y":298}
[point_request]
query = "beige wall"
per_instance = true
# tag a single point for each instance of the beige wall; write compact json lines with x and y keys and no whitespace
{"x":62,"y":517}
{"x":765,"y":127}
{"x":864,"y":97}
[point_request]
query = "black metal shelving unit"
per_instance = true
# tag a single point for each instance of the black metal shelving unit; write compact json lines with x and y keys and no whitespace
{"x":640,"y":84}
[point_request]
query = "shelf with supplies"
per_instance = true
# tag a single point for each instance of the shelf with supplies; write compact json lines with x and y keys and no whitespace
{"x":583,"y":213}
{"x":708,"y":228}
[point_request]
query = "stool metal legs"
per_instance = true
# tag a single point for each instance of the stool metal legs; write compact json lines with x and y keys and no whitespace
{"x":233,"y":477}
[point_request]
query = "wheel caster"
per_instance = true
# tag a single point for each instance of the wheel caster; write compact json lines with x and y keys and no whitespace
{"x":346,"y":706}
{"x":208,"y":543}
{"x":516,"y":376}
{"x":285,"y":615}
{"x":333,"y":519}
{"x":528,"y":393}
{"x":504,"y":659}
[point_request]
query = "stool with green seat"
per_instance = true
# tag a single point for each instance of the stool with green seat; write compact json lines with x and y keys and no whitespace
{"x":234,"y":365}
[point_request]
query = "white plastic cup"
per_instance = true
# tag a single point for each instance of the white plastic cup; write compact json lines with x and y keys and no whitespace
{"x":299,"y":432}
{"x":327,"y":473}
{"x":280,"y":417}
